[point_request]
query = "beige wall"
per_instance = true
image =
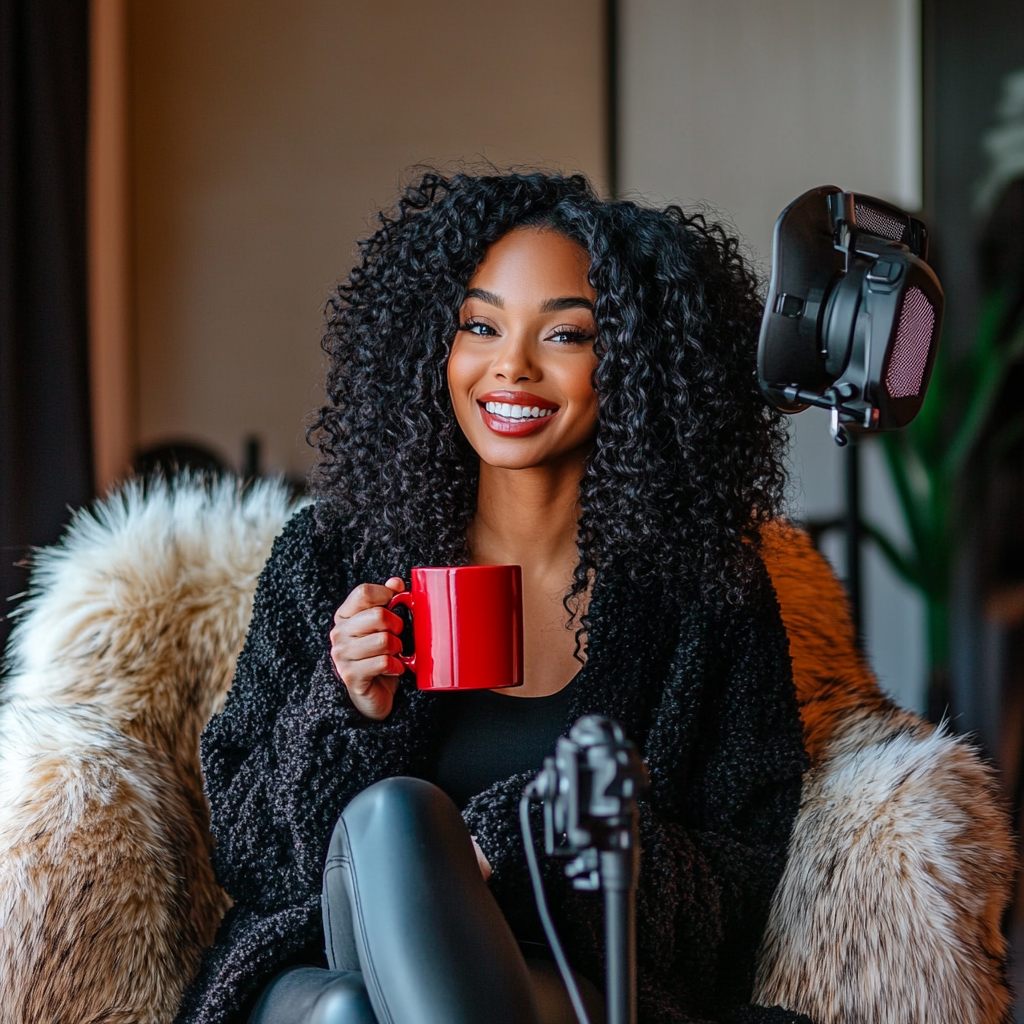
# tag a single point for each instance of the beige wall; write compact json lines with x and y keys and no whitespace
{"x":265,"y":133}
{"x":745,"y":104}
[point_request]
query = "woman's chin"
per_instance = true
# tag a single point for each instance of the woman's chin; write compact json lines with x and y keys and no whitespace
{"x":519,"y":454}
{"x":510,"y":460}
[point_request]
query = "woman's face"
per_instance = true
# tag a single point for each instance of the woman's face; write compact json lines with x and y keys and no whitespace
{"x":522,"y":362}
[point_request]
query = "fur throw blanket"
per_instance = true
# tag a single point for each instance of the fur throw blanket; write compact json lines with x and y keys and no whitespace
{"x":125,"y":647}
{"x":899,"y":868}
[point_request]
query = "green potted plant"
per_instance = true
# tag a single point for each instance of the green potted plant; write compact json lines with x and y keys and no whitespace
{"x":932,"y":460}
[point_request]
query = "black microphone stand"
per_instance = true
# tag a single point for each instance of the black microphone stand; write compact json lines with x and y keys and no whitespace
{"x":618,"y":880}
{"x":589,"y":789}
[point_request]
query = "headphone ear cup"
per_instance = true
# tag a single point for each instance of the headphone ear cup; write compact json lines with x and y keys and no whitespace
{"x":906,"y":366}
{"x":853,"y":314}
{"x":839,"y":325}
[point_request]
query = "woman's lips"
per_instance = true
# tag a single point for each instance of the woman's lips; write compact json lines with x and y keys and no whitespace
{"x":515,"y":414}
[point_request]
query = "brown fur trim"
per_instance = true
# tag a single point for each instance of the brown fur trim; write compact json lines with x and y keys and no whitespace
{"x":831,"y":677}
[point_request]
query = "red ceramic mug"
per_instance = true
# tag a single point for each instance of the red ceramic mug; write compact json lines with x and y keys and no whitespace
{"x":467,"y":624}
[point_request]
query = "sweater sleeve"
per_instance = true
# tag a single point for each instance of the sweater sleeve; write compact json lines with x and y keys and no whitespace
{"x":713,"y":835}
{"x":281,"y":761}
{"x":289,"y":750}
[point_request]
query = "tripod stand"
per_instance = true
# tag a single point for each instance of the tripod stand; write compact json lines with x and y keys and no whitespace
{"x":589,"y":790}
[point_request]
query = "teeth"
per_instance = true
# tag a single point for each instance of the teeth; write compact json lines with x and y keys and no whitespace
{"x":516,"y":412}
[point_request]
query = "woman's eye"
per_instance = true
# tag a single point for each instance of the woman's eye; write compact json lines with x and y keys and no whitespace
{"x":482,"y":330}
{"x":571,"y":335}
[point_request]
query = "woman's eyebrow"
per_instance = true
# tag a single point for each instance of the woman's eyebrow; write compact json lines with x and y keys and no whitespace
{"x":567,"y":302}
{"x":488,"y":297}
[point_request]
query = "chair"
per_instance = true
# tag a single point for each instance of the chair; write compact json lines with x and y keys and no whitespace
{"x":899,"y":868}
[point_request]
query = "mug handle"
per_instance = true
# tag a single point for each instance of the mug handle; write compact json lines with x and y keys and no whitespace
{"x":404,"y":599}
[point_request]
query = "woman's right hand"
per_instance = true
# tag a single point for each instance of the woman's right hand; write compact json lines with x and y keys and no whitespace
{"x":364,"y":642}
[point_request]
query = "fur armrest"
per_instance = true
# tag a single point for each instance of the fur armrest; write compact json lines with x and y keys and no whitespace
{"x":901,"y":861}
{"x":126,"y":645}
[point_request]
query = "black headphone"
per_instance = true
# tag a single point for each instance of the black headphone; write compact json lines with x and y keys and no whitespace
{"x":853,"y":314}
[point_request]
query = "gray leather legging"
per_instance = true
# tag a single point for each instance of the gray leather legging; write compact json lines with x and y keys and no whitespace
{"x":414,"y":935}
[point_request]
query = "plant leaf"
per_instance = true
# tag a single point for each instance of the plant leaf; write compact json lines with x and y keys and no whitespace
{"x":903,"y":564}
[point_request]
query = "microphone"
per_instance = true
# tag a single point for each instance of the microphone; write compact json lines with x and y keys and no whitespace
{"x":589,"y":790}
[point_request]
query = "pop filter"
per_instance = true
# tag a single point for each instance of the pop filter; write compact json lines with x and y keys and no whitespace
{"x":852,"y":319}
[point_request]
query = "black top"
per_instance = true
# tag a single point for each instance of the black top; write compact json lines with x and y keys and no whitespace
{"x":706,"y":693}
{"x":488,"y":736}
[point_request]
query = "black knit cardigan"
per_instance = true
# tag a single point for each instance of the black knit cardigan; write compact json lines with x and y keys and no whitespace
{"x":708,"y":697}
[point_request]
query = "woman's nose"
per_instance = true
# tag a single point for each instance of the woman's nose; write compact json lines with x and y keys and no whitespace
{"x":515,"y":360}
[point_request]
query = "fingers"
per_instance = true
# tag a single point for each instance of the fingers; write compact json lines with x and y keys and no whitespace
{"x":364,"y":645}
{"x":373,"y":645}
{"x":370,"y":620}
{"x":385,"y":670}
{"x":367,"y":634}
{"x":368,"y":595}
{"x":363,"y":657}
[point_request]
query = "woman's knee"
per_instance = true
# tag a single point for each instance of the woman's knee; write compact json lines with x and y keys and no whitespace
{"x":396,"y":806}
{"x":400,"y":794}
{"x":370,"y":839}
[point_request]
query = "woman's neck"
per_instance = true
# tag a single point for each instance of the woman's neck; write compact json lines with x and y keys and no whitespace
{"x":527,"y":517}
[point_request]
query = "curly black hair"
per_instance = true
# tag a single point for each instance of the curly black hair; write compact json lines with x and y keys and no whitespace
{"x":687,"y":460}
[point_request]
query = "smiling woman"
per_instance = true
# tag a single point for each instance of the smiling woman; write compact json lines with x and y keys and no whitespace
{"x":521,"y":381}
{"x":522,"y":363}
{"x":521,"y":374}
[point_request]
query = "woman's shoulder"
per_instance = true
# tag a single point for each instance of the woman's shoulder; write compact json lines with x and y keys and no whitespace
{"x":312,"y":539}
{"x":310,"y":562}
{"x":299,"y":588}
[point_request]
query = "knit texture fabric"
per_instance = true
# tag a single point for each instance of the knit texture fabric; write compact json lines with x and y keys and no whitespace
{"x":707,"y":696}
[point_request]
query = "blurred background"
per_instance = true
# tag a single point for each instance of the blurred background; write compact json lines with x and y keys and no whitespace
{"x":183,"y":181}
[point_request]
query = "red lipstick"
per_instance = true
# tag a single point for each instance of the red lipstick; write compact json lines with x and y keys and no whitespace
{"x":511,"y":413}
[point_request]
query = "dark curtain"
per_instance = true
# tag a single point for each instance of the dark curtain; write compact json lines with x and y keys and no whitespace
{"x":45,"y":448}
